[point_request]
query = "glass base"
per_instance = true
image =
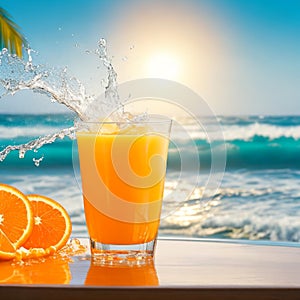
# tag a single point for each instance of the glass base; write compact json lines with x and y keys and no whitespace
{"x":135,"y":254}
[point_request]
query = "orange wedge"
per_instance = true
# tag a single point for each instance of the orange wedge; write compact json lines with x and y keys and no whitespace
{"x":52,"y":225}
{"x":16,"y":219}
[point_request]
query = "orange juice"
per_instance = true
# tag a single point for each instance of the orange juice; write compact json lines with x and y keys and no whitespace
{"x":123,"y":181}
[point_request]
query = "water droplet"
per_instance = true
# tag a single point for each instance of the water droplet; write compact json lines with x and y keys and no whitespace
{"x":37,"y":161}
{"x":103,"y":82}
{"x":22,"y":153}
{"x":61,"y":136}
{"x":125,"y":58}
{"x":102,"y":42}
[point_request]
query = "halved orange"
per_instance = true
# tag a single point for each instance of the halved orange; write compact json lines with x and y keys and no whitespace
{"x":7,"y":249}
{"x":16,"y":218}
{"x":52,"y":225}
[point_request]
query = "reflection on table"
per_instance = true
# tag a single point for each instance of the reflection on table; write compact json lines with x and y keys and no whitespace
{"x":42,"y":271}
{"x":122,"y":275}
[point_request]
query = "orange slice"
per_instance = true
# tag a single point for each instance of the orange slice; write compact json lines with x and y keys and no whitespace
{"x":7,"y":249}
{"x":16,"y":218}
{"x":52,"y":225}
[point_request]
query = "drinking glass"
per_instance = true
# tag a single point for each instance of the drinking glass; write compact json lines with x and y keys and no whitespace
{"x":123,"y":167}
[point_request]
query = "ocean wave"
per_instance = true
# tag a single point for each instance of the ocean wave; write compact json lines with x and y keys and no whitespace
{"x":266,"y":219}
{"x":257,"y":154}
{"x":229,"y":132}
{"x":240,"y":132}
{"x":271,"y":132}
{"x":13,"y":132}
{"x":249,"y":143}
{"x":256,"y":205}
{"x":254,"y":227}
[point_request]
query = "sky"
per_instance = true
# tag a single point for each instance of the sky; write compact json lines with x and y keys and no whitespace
{"x":241,"y":56}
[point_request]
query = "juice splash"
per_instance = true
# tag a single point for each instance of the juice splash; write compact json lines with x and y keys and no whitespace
{"x":17,"y":75}
{"x":52,"y":269}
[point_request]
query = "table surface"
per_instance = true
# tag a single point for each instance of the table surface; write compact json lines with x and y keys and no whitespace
{"x":182,"y":268}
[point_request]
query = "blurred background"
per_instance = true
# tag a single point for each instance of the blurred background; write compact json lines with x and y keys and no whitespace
{"x":241,"y":57}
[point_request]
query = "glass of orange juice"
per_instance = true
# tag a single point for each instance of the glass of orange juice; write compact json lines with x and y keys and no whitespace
{"x":123,"y":167}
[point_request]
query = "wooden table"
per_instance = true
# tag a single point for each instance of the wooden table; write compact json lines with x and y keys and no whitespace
{"x":184,"y":269}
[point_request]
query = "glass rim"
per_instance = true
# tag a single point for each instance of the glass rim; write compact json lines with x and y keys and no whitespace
{"x":154,"y":119}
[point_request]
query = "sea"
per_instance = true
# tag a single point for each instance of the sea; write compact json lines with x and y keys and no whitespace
{"x":257,"y":196}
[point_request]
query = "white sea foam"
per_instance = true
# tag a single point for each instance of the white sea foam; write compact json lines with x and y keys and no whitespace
{"x":237,"y":132}
{"x":234,"y":132}
{"x":26,"y":131}
{"x":255,"y":221}
{"x":250,"y":205}
{"x":268,"y":219}
{"x":242,"y":132}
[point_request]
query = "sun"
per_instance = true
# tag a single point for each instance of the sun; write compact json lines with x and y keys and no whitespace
{"x":163,"y":65}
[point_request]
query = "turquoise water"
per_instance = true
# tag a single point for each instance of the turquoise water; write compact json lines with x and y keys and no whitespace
{"x":251,"y":142}
{"x":259,"y":198}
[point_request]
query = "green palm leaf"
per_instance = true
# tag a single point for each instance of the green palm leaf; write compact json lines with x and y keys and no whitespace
{"x":10,"y":35}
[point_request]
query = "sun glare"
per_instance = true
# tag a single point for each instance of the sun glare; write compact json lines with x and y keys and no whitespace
{"x":181,"y":42}
{"x":163,"y":65}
